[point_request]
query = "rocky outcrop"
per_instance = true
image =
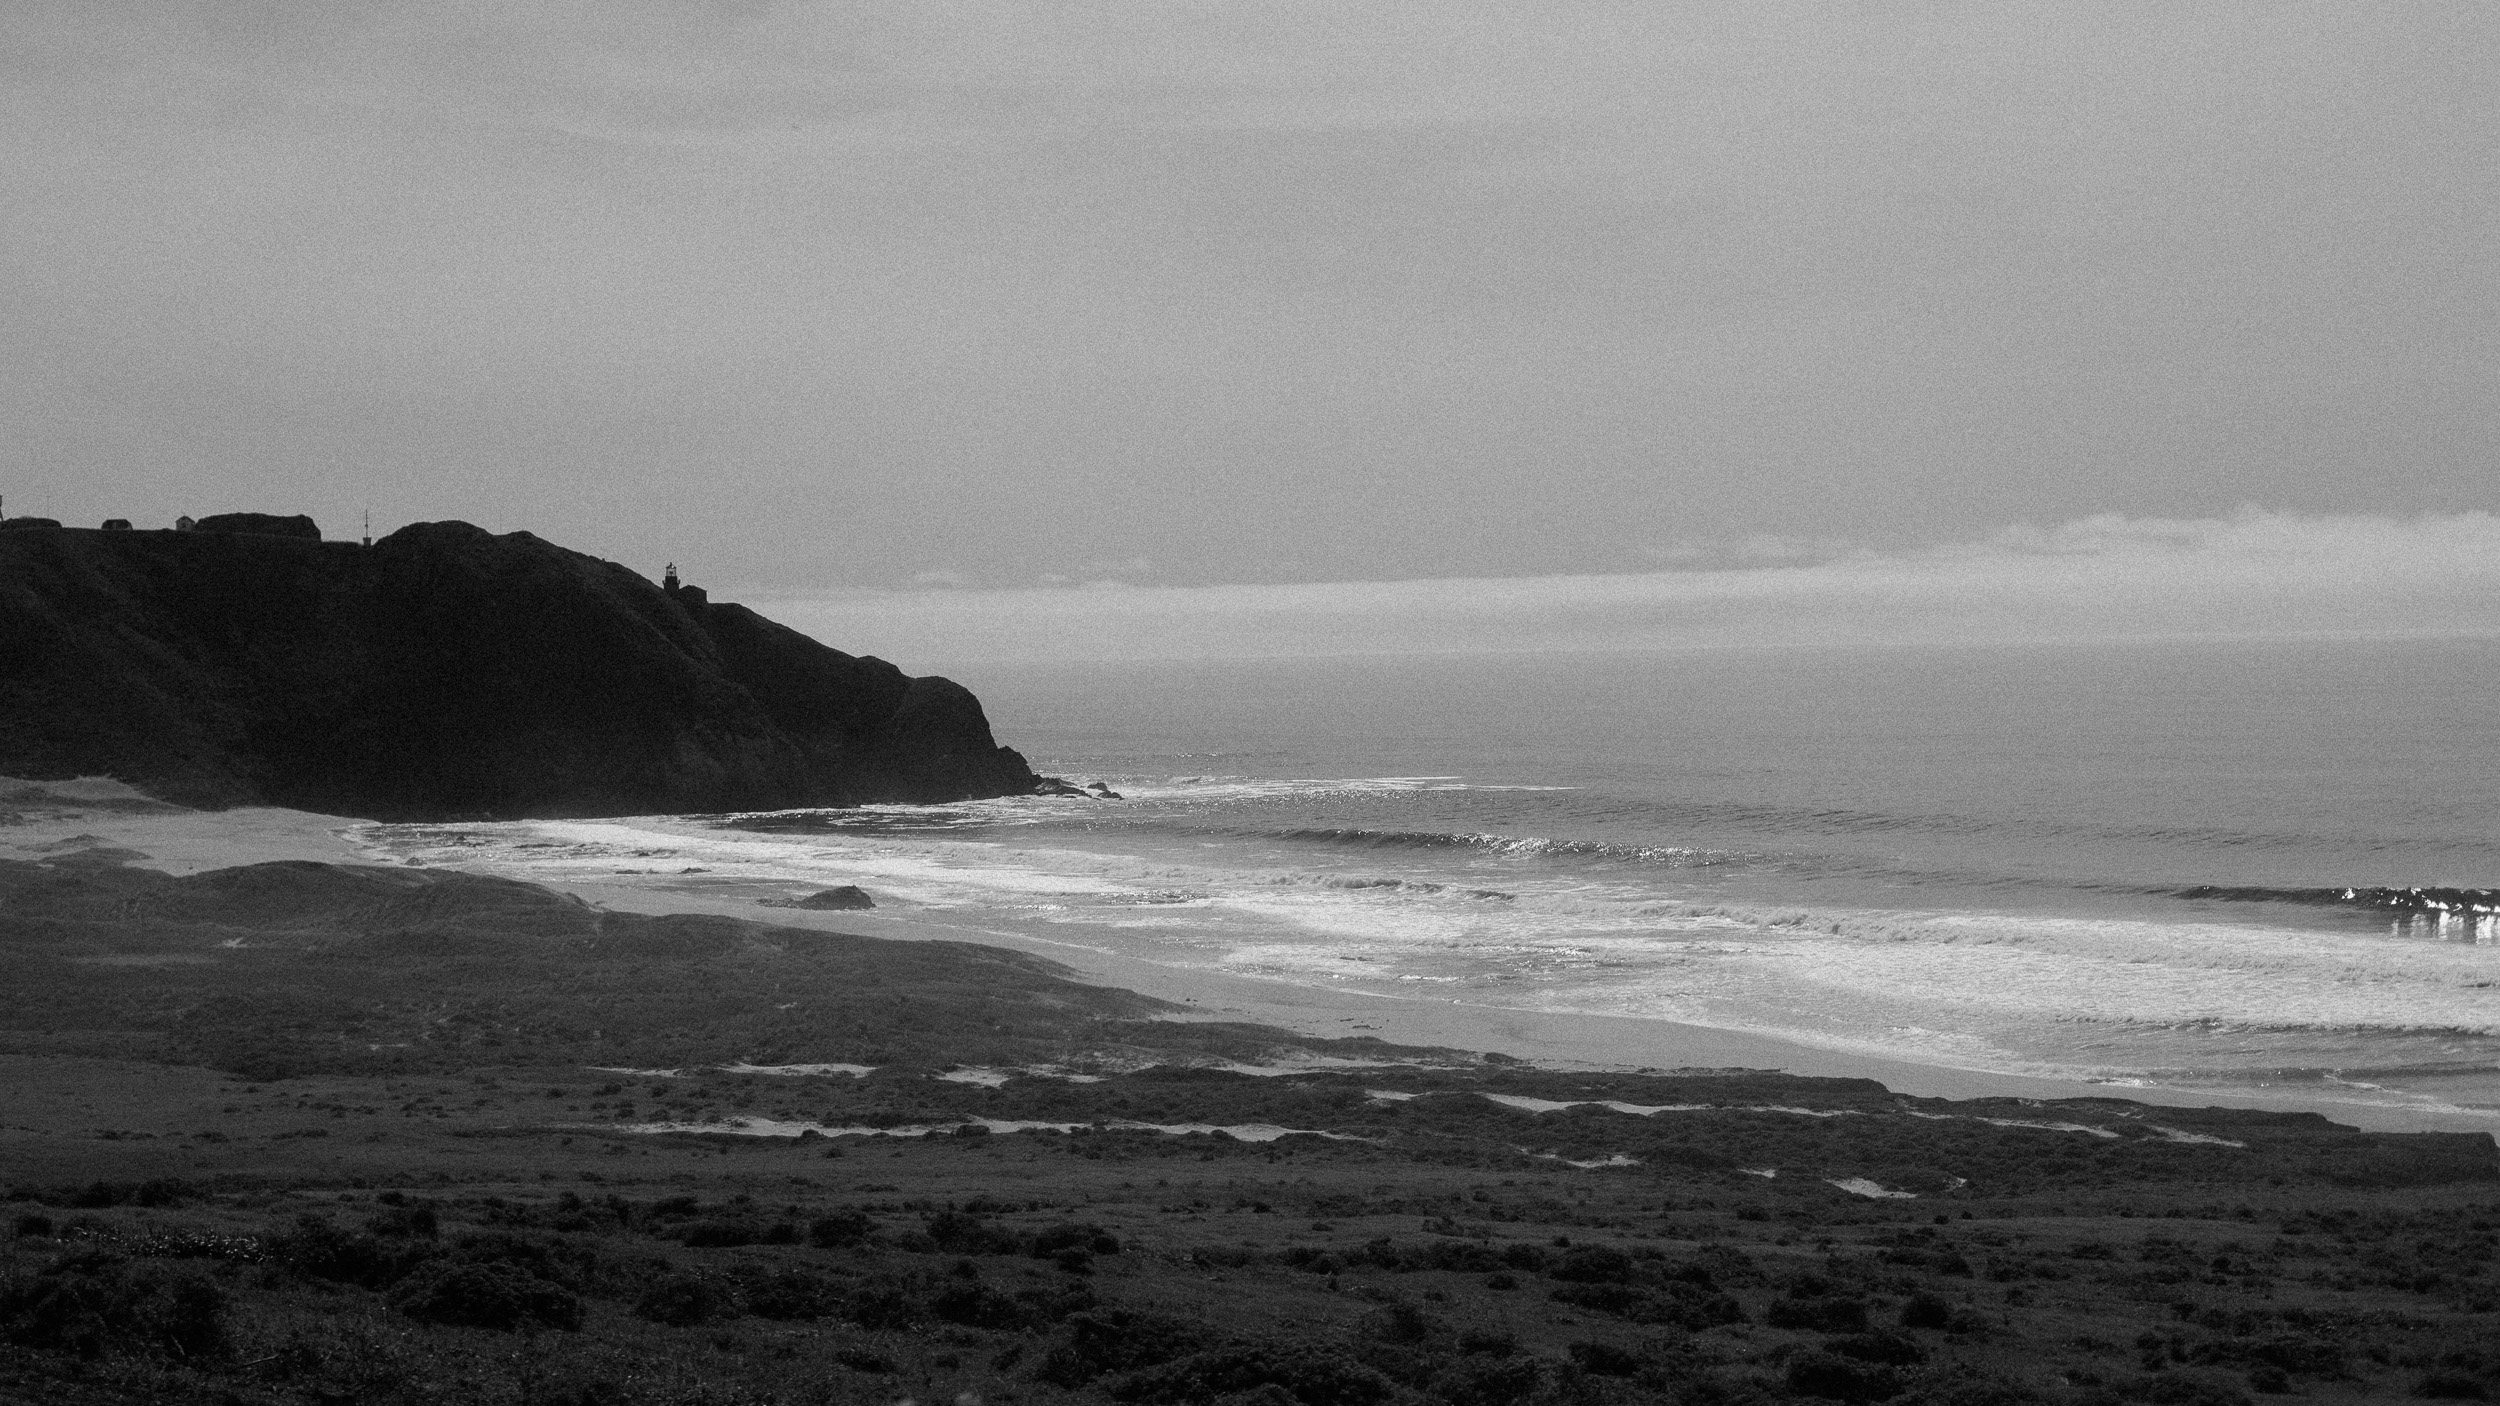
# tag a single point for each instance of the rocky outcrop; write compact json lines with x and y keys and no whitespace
{"x":261,"y":524}
{"x":843,"y":899}
{"x":446,"y":672}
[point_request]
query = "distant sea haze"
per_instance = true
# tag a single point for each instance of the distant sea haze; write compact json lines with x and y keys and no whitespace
{"x":2208,"y":865}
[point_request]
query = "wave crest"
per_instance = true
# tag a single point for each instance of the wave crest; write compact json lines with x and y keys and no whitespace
{"x":1536,"y":846}
{"x":2402,"y":900}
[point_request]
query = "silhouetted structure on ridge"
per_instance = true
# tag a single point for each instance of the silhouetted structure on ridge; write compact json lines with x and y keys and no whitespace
{"x":445,"y":672}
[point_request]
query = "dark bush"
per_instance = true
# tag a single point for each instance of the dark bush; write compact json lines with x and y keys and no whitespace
{"x":1926,"y":1310}
{"x":840,"y":1229}
{"x":795,"y":1294}
{"x":1604,"y":1360}
{"x":318,"y":1249}
{"x":1492,"y":1382}
{"x":2449,"y":1384}
{"x":1821,"y":1315}
{"x":558,"y":1262}
{"x":684,"y":1300}
{"x":2269,"y":1380}
{"x":2284,"y":1352}
{"x":883,"y":1306}
{"x":1455,"y":1256}
{"x":2183,"y":1389}
{"x":976,"y":1305}
{"x":405,"y":1222}
{"x":97,"y":1195}
{"x":1678,"y":1305}
{"x":862,"y":1360}
{"x":35,"y":1224}
{"x":93,"y":1303}
{"x":1067,"y":1235}
{"x":1839,"y":1379}
{"x":1401,"y":1323}
{"x":1593,"y":1264}
{"x":964,"y":1233}
{"x":1315,"y":1378}
{"x":721,"y":1234}
{"x":1887,"y":1349}
{"x":491,"y":1294}
{"x":1958,"y":1386}
{"x":1122,"y":1340}
{"x":1304,"y":1257}
{"x":1523,"y":1256}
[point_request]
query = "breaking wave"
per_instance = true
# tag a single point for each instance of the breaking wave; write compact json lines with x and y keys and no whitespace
{"x":1530,"y":846}
{"x":2400,"y":900}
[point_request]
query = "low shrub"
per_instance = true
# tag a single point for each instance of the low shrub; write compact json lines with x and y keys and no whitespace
{"x":965,"y":1233}
{"x":794,"y":1295}
{"x":1926,"y":1310}
{"x":841,"y":1229}
{"x":2182,"y":1389}
{"x":1885,"y":1349}
{"x":488,"y":1294}
{"x":1313,"y":1378}
{"x":1604,"y":1360}
{"x":976,"y":1305}
{"x":1678,"y":1305}
{"x":1050,"y":1241}
{"x":319,"y":1249}
{"x":884,"y":1306}
{"x":1593,"y":1264}
{"x":684,"y":1300}
{"x":94,"y":1303}
{"x":720,"y":1234}
{"x":1840,"y":1379}
{"x":1493,"y":1381}
{"x":1820,"y":1315}
{"x":1120,"y":1340}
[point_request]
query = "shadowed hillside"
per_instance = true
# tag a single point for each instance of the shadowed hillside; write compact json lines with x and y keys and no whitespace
{"x":446,"y":671}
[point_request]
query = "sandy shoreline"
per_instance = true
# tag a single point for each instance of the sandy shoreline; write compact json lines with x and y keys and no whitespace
{"x":184,"y":842}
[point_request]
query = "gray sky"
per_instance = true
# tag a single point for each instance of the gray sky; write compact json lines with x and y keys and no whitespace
{"x":824,"y":299}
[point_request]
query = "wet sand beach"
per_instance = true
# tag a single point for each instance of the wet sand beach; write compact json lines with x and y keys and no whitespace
{"x":57,"y":818}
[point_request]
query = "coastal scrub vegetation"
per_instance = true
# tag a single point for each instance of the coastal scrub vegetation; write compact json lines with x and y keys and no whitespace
{"x":311,"y":1134}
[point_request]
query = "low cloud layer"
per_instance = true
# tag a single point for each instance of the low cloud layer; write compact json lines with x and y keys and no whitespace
{"x":2254,"y":573}
{"x":803,"y":294}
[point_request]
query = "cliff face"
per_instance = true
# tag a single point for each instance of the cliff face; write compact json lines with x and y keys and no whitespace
{"x":445,"y":671}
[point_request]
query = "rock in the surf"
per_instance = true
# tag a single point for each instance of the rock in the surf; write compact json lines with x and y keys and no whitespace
{"x":843,"y":897}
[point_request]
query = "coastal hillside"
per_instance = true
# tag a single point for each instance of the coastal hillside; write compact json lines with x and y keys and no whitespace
{"x":445,"y":671}
{"x":294,"y":1133}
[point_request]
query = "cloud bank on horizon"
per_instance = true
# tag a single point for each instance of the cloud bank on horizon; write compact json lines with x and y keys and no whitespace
{"x":2100,"y":578}
{"x":823,"y":295}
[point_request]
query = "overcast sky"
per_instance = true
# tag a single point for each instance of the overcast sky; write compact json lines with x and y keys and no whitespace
{"x":830,"y":301}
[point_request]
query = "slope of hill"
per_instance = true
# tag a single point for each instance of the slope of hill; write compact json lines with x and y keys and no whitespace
{"x":447,"y":671}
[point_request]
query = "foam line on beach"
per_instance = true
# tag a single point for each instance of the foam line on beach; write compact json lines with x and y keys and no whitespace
{"x":1860,"y":1186}
{"x":1639,"y":1110}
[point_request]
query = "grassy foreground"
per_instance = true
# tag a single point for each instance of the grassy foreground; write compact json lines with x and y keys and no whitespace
{"x":308,"y":1133}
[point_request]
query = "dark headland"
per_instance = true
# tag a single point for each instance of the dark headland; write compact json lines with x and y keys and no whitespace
{"x":445,"y":671}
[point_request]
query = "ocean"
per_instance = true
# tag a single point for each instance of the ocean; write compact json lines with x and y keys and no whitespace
{"x":2209,"y":865}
